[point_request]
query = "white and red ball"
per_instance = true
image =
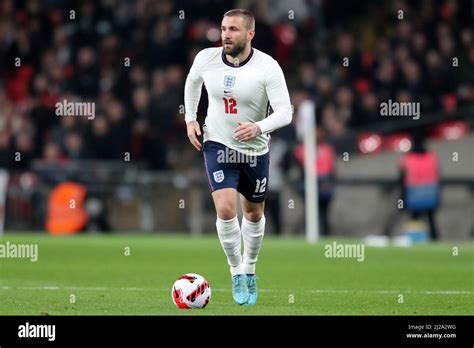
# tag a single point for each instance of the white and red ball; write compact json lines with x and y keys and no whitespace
{"x":191,"y":291}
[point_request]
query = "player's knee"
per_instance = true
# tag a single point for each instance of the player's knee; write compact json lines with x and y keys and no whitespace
{"x":254,"y":215}
{"x":226,"y":211}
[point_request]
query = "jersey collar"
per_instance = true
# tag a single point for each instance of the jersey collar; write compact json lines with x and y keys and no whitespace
{"x":226,"y":62}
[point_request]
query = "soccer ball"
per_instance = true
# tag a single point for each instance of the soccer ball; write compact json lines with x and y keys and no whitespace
{"x":191,"y":291}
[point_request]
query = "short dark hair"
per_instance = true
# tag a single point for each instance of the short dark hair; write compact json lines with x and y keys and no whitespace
{"x":246,"y":14}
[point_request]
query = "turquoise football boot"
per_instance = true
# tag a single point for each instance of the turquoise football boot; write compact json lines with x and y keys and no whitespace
{"x":239,"y":289}
{"x":252,"y":289}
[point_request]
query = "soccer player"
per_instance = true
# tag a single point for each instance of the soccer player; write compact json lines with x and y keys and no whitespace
{"x":241,"y":82}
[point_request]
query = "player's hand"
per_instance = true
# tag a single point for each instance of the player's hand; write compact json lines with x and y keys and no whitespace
{"x":194,"y":131}
{"x":246,"y":131}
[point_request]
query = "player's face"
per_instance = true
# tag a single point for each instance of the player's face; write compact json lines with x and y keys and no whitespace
{"x":234,"y":35}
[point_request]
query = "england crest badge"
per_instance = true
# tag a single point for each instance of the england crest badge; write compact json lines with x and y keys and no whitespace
{"x":229,"y":81}
{"x":218,"y":176}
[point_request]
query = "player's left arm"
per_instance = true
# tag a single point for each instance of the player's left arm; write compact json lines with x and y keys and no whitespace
{"x":279,"y":98}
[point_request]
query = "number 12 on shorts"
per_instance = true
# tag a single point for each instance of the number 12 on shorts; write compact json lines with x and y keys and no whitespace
{"x":261,"y":185}
{"x":230,"y":105}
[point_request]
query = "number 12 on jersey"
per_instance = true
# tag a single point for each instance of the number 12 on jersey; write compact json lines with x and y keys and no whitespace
{"x":230,"y":105}
{"x":261,"y":186}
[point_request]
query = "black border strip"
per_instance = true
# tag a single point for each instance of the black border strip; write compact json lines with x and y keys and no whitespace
{"x":192,"y":330}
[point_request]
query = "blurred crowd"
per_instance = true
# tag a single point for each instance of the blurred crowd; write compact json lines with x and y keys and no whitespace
{"x":131,"y":58}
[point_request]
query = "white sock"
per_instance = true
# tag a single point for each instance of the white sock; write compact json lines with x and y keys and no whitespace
{"x":231,"y":241}
{"x":253,"y":235}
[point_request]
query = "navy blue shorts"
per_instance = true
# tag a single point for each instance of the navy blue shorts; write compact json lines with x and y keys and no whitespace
{"x":227,"y":168}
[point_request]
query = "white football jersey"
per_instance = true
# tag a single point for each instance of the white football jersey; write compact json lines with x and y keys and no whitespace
{"x":238,"y":93}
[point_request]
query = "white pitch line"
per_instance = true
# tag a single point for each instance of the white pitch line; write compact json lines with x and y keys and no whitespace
{"x":435,"y":292}
{"x":318,"y":291}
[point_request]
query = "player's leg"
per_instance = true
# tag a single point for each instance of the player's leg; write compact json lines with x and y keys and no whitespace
{"x":432,"y":223}
{"x":228,"y":230}
{"x":253,"y":188}
{"x":222,"y":180}
{"x":253,"y":230}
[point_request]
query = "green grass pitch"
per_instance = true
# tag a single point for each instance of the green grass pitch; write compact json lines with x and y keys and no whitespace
{"x":91,"y":275}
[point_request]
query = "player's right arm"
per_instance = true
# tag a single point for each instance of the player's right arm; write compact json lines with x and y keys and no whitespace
{"x":192,"y":94}
{"x":279,"y":98}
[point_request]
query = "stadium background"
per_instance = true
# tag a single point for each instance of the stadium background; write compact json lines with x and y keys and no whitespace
{"x":131,"y":58}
